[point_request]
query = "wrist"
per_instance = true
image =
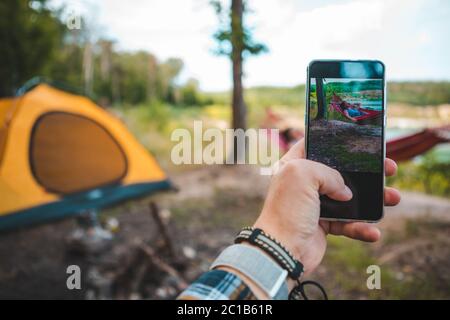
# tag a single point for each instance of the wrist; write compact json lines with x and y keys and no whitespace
{"x":280,"y":233}
{"x":290,"y":282}
{"x":263,"y":275}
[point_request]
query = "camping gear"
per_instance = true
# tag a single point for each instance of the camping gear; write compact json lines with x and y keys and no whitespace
{"x":370,"y":117}
{"x":61,"y":154}
{"x":405,"y":148}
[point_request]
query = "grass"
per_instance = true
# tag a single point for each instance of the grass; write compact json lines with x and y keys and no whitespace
{"x":333,"y":150}
{"x":367,"y":162}
{"x":429,"y":175}
{"x":422,"y":271}
{"x":346,"y":262}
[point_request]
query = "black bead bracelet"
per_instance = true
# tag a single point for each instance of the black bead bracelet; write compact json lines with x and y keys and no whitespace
{"x":272,"y":247}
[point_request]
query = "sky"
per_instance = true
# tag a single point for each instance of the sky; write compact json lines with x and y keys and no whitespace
{"x":410,"y":36}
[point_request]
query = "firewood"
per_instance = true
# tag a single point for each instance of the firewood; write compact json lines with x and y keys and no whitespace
{"x":163,"y":266}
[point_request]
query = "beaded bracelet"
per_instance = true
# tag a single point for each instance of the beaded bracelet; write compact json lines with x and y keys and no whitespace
{"x":280,"y":254}
{"x":283,"y":257}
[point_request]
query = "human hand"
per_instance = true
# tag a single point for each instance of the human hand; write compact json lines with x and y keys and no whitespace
{"x":292,"y":208}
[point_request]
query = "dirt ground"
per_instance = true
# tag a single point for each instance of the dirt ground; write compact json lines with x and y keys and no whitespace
{"x":346,"y":146}
{"x":203,"y":217}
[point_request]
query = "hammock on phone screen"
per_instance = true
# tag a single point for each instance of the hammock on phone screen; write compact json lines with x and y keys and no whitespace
{"x":370,"y":116}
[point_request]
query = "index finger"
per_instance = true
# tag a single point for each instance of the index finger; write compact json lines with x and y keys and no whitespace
{"x":390,"y":167}
{"x":355,"y":230}
{"x":297,"y":151}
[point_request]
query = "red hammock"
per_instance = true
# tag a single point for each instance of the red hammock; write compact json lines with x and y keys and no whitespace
{"x":408,"y":147}
{"x":370,"y":116}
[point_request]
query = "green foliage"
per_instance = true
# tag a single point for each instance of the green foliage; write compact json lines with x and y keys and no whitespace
{"x":353,"y":86}
{"x":65,"y":66}
{"x":347,"y":261}
{"x":190,"y":95}
{"x":129,"y":70}
{"x":266,"y":96}
{"x":35,"y":42}
{"x":157,"y":113}
{"x":429,"y":175}
{"x":234,"y":33}
{"x":269,"y":96}
{"x":419,"y":93}
{"x":30,"y":33}
{"x":133,"y":77}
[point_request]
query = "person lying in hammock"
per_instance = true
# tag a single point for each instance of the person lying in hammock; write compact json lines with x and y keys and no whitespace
{"x":350,"y":110}
{"x":288,"y":133}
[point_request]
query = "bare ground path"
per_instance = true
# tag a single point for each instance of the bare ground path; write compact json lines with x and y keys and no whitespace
{"x":204,"y":181}
{"x":414,"y":205}
{"x":213,"y":203}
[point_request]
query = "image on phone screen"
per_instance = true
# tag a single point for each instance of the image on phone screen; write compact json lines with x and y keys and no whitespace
{"x":345,"y":131}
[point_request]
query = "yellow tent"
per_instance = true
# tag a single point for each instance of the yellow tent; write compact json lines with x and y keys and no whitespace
{"x":61,"y":154}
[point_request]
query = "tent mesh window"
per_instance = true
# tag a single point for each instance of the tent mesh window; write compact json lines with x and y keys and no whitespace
{"x":71,"y":153}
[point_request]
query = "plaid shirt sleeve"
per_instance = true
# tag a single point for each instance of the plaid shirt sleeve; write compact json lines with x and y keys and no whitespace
{"x":217,"y":285}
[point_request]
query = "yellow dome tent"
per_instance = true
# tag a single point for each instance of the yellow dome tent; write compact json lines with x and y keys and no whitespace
{"x":61,"y":154}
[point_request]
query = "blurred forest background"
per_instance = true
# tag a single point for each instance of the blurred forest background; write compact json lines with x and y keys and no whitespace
{"x":148,"y":95}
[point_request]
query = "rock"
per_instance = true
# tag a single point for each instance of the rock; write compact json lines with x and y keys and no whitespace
{"x":189,"y":252}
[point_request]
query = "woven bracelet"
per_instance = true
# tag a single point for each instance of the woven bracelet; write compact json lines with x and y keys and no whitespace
{"x":272,"y":247}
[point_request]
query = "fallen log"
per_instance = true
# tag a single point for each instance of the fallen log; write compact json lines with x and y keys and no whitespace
{"x":154,"y":211}
{"x":162,"y":265}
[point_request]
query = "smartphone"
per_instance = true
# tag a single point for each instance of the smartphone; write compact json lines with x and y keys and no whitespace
{"x":345,"y":121}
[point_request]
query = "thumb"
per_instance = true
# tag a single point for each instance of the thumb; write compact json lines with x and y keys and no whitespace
{"x":329,"y":181}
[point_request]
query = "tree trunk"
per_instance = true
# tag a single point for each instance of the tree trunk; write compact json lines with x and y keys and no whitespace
{"x":88,"y":69}
{"x":105,"y":59}
{"x":239,"y":120}
{"x":152,"y":78}
{"x":321,"y":101}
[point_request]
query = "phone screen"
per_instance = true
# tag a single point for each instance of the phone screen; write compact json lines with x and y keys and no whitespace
{"x":345,"y":130}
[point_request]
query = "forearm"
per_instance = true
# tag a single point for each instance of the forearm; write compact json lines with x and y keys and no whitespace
{"x":218,"y":285}
{"x":250,"y":274}
{"x":259,"y":293}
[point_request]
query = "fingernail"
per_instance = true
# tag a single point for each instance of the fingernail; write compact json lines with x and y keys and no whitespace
{"x":348,"y":193}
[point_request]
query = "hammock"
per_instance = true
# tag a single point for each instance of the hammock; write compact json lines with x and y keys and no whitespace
{"x":370,"y":116}
{"x":408,"y":147}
